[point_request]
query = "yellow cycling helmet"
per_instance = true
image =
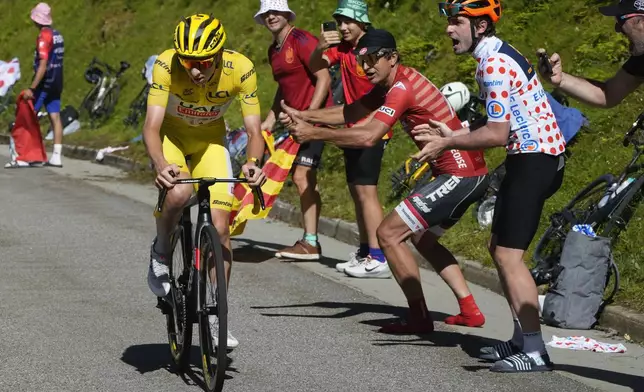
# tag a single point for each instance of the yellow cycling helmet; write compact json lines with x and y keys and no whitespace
{"x":199,"y":36}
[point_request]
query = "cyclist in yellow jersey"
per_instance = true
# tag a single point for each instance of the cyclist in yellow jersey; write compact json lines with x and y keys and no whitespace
{"x":193,"y":85}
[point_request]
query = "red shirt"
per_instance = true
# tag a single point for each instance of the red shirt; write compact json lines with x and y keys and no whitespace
{"x":414,"y":100}
{"x":354,"y":81}
{"x":291,"y":71}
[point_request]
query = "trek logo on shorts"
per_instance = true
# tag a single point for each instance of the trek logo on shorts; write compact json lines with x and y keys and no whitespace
{"x":420,"y":204}
{"x":444,"y":189}
{"x":495,"y":109}
{"x":387,"y":110}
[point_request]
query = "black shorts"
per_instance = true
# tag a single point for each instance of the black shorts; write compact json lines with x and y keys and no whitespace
{"x":530,"y":179}
{"x":439,"y":204}
{"x":362,"y":165}
{"x":310,"y":154}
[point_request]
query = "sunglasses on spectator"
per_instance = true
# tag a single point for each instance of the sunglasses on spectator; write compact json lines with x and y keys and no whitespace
{"x":449,"y":10}
{"x":623,"y":18}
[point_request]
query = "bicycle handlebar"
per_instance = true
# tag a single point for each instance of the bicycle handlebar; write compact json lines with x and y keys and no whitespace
{"x":638,"y":124}
{"x":106,"y":66}
{"x":208,"y":181}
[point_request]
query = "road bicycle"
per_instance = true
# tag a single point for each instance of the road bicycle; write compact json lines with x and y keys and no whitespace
{"x":139,"y":106}
{"x":606,"y":204}
{"x":195,"y":256}
{"x":99,"y":103}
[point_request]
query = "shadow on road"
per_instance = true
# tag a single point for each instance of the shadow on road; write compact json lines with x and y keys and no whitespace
{"x":250,"y":251}
{"x":626,"y":380}
{"x":470,"y":344}
{"x":636,"y":383}
{"x":147,"y":358}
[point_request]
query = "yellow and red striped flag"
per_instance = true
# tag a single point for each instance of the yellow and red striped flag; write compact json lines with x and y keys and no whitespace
{"x":277,"y":169}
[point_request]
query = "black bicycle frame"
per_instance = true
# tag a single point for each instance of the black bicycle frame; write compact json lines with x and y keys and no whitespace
{"x":203,"y":197}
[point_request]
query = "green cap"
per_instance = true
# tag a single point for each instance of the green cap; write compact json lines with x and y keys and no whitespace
{"x":353,"y":9}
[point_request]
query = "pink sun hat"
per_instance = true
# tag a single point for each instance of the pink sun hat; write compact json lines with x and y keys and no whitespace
{"x":41,"y":14}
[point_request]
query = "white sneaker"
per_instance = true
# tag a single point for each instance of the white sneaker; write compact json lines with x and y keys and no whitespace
{"x":353,"y":261}
{"x":370,"y":268}
{"x":232,"y":342}
{"x":158,"y":274}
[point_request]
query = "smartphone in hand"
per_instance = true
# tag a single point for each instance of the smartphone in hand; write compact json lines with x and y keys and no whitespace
{"x":330,"y":26}
{"x":544,"y":64}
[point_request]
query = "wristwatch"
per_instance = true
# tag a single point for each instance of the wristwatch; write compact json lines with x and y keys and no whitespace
{"x":254,"y":160}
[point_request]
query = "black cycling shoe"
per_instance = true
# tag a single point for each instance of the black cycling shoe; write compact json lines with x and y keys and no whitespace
{"x":523,"y":363}
{"x":499,"y":352}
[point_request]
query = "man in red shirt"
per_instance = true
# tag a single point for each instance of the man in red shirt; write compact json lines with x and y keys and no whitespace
{"x":303,"y":89}
{"x":403,"y":94}
{"x":362,"y":165}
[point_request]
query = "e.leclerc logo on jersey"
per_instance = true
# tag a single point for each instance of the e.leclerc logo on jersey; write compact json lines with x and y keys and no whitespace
{"x":495,"y":109}
{"x":529,"y":145}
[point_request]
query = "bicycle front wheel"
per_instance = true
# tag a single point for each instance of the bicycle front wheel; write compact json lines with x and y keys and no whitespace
{"x":213,"y":308}
{"x":179,"y":321}
{"x":583,"y":208}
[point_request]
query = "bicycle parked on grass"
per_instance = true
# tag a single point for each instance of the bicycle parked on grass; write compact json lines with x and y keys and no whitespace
{"x":606,"y":204}
{"x":139,"y":105}
{"x":99,"y":103}
{"x":195,"y":256}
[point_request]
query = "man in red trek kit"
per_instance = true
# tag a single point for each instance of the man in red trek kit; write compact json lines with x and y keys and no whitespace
{"x":403,"y":94}
{"x":289,"y":56}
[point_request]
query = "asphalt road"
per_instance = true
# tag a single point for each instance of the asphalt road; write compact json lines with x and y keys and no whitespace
{"x":76,"y":313}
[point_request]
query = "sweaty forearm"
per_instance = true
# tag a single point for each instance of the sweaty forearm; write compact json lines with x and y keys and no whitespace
{"x":358,"y":137}
{"x":483,"y":138}
{"x":256,"y":145}
{"x":38,"y":77}
{"x":153,"y":146}
{"x":317,"y":62}
{"x":591,"y":92}
{"x":326,"y":116}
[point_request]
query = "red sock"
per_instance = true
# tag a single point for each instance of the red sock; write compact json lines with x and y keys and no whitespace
{"x":470,"y":315}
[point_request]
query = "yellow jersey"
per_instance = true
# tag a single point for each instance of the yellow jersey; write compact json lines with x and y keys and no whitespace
{"x":196,"y":112}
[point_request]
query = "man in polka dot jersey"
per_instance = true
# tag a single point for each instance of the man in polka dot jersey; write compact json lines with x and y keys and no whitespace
{"x":519,"y":117}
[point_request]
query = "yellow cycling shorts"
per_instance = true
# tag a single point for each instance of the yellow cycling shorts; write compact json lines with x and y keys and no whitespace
{"x":207,"y":159}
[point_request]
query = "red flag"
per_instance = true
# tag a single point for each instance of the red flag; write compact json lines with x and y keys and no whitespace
{"x":26,"y":133}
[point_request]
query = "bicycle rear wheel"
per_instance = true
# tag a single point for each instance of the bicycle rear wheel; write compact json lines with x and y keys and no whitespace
{"x":179,"y":320}
{"x":582,"y":209}
{"x":212,"y":301}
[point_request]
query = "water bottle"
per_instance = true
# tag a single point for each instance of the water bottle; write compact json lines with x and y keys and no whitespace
{"x":604,"y":199}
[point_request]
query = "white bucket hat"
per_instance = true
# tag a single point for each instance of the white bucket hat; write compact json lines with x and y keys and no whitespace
{"x":273,"y":5}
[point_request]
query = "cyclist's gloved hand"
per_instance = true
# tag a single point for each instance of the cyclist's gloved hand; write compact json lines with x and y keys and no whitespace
{"x":166,"y":176}
{"x":557,"y":70}
{"x":257,"y":178}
